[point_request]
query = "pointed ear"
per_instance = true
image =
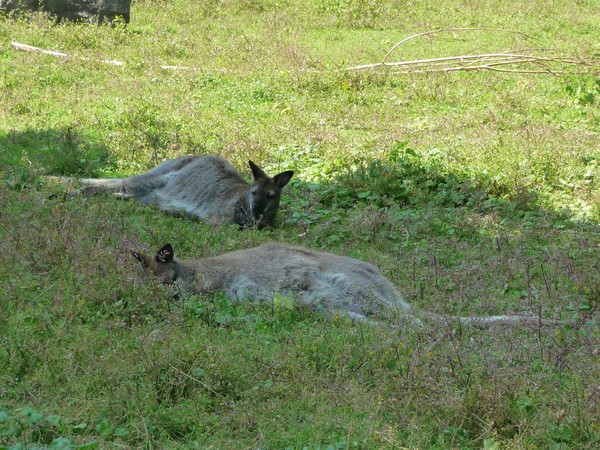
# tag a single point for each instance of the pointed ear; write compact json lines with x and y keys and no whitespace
{"x":283,"y":178}
{"x":165,"y":254}
{"x":257,"y":172}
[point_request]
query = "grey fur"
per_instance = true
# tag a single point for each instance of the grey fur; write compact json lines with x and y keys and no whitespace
{"x":203,"y":187}
{"x":323,"y":281}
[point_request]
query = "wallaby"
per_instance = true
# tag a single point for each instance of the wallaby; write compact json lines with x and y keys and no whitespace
{"x":202,"y":187}
{"x":323,"y":281}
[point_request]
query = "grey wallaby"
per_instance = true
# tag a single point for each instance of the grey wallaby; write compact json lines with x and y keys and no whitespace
{"x":323,"y":281}
{"x":203,"y":187}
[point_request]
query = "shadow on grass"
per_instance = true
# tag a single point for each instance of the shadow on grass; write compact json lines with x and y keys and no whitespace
{"x":409,"y":182}
{"x":406,"y":180}
{"x":66,"y":151}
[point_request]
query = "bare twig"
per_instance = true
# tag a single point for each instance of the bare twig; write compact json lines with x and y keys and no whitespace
{"x":509,"y":57}
{"x":486,"y":61}
{"x":179,"y":68}
{"x":499,"y":55}
{"x":32,"y":49}
{"x":446,"y":30}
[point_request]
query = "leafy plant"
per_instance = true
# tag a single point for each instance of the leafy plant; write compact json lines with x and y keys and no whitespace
{"x":28,"y":426}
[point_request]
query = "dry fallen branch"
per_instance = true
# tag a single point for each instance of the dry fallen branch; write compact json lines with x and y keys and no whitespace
{"x":488,"y":61}
{"x":448,"y":30}
{"x":32,"y":49}
{"x":546,"y":63}
{"x":509,"y":58}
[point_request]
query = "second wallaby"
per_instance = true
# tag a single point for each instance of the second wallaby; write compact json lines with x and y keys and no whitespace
{"x":202,"y":187}
{"x":323,"y":281}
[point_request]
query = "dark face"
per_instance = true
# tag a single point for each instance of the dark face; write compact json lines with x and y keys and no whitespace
{"x":264,"y":201}
{"x":265,"y":194}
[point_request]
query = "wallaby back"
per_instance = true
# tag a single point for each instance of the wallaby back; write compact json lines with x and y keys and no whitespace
{"x":323,"y":281}
{"x":202,"y":187}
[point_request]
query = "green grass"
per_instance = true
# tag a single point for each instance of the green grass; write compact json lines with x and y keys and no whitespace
{"x":475,"y":193}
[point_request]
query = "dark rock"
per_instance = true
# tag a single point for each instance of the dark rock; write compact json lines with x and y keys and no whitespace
{"x":74,"y":10}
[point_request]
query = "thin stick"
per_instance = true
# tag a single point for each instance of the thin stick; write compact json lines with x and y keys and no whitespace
{"x":179,"y":68}
{"x":480,"y":62}
{"x":495,"y":69}
{"x":444,"y":30}
{"x":568,"y":59}
{"x":30,"y":48}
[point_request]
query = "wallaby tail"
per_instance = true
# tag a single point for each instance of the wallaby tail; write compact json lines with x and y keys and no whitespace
{"x":103,"y":183}
{"x":92,"y":185}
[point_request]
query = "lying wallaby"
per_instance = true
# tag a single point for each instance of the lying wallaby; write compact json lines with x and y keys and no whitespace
{"x":202,"y":187}
{"x":323,"y":281}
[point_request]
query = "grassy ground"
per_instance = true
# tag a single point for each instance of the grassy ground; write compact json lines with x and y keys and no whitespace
{"x":475,"y":193}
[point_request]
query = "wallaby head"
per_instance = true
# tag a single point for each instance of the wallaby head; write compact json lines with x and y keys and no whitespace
{"x":162,"y":264}
{"x":264,"y":195}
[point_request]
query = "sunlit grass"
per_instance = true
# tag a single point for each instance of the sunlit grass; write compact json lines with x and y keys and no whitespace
{"x":475,"y":193}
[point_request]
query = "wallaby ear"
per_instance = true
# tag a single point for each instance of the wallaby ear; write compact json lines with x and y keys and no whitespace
{"x":165,"y":254}
{"x":283,"y":178}
{"x":257,"y":172}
